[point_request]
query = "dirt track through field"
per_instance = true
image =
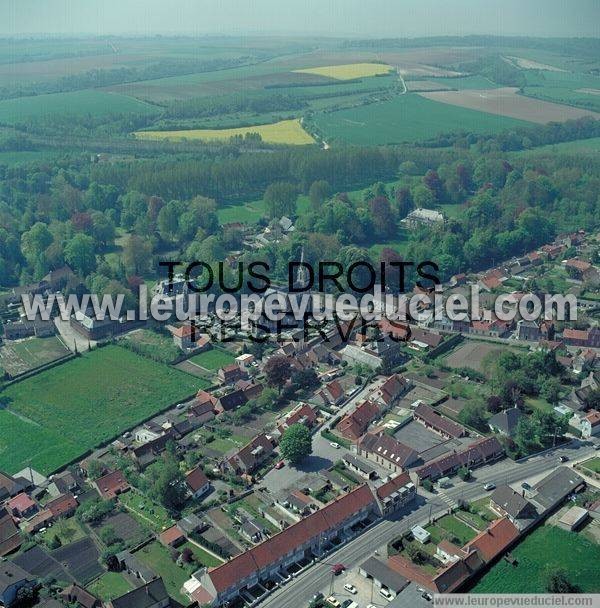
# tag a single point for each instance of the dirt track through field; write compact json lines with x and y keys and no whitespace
{"x":506,"y":102}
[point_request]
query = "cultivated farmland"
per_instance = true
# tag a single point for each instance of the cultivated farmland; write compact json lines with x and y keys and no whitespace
{"x":348,"y":71}
{"x":57,"y":415}
{"x":77,"y":103}
{"x":406,"y":118}
{"x":506,"y":102}
{"x":282,"y":132}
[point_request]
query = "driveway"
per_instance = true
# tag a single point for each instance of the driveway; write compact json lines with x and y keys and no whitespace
{"x":323,"y":456}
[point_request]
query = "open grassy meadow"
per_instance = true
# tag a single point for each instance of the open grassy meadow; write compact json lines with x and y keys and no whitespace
{"x":51,"y":418}
{"x":348,"y":71}
{"x":109,"y":586}
{"x":545,"y":549}
{"x":76,"y":103}
{"x":213,"y":359}
{"x":407,"y":118}
{"x":282,"y":132}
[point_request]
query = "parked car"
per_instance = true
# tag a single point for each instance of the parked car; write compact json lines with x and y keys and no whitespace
{"x":335,"y":445}
{"x":333,"y":601}
{"x":350,"y":588}
{"x":338,"y":568}
{"x":427,"y":596}
{"x":386,"y":594}
{"x":489,"y":486}
{"x":525,"y":486}
{"x":280,"y":465}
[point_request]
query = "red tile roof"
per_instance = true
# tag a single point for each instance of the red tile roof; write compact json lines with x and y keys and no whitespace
{"x":355,"y":424}
{"x":392,"y":387}
{"x":10,"y":539}
{"x":273,"y":549}
{"x":495,"y":539}
{"x":441,"y":424}
{"x":21,"y":503}
{"x":334,"y":388}
{"x":393,"y":485}
{"x":578,"y":264}
{"x":387,"y":447}
{"x":63,"y":505}
{"x":303,"y":412}
{"x":196,"y":479}
{"x":172,"y":536}
{"x":593,"y":418}
{"x":576,"y":334}
{"x":480,"y":450}
{"x":111,"y":484}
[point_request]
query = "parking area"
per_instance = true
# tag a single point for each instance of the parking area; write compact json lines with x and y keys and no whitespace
{"x":368,"y":593}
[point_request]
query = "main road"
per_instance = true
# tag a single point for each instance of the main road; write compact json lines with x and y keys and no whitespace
{"x":300,"y":590}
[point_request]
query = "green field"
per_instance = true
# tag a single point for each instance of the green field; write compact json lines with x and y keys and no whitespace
{"x":55,"y":416}
{"x":77,"y":103}
{"x":570,"y":88}
{"x":545,"y":549}
{"x":109,"y":586}
{"x":579,"y":146}
{"x":158,"y":558}
{"x":251,"y":212}
{"x":407,"y":118}
{"x":213,"y":359}
{"x":593,"y":464}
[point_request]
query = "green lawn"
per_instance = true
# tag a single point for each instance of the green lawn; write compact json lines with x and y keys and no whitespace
{"x":593,"y":464}
{"x":202,"y":556}
{"x":483,"y":506}
{"x":59,"y":414}
{"x":146,"y":511}
{"x":109,"y":586}
{"x":213,"y":359}
{"x":67,"y":530}
{"x":151,"y":344}
{"x":158,"y":558}
{"x":407,"y":118}
{"x":454,"y":527}
{"x":545,"y":549}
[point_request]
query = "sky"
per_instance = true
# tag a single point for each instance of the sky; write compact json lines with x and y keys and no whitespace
{"x":363,"y":18}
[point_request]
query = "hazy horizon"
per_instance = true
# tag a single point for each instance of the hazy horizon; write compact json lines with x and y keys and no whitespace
{"x":336,"y":18}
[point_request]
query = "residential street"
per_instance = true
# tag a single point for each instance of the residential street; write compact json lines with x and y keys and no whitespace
{"x":318,"y":577}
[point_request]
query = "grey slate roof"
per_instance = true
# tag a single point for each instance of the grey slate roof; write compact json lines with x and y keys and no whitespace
{"x":510,"y":501}
{"x":556,"y":486}
{"x":10,"y":574}
{"x":144,"y":596}
{"x":386,"y":576}
{"x":507,"y":420}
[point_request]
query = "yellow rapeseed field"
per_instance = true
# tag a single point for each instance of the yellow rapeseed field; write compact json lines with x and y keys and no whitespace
{"x":282,"y":132}
{"x":349,"y":71}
